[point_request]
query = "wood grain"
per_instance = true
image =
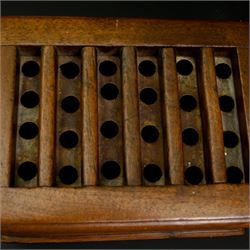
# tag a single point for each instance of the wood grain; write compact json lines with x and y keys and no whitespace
{"x":110,"y":149}
{"x":89,"y":117}
{"x":8,"y":89}
{"x":133,"y":208}
{"x":241,"y":73}
{"x":27,"y":149}
{"x":193,"y":155}
{"x":121,"y":32}
{"x":172,"y":119}
{"x":131,"y":124}
{"x":142,"y":235}
{"x":212,"y":122}
{"x":150,"y":115}
{"x":47,"y":118}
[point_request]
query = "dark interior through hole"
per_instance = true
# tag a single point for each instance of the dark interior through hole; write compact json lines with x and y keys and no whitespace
{"x":150,"y":133}
{"x":70,"y":70}
{"x":28,"y":130}
{"x":193,"y":175}
{"x":30,"y":99}
{"x":148,"y":96}
{"x":70,"y":104}
{"x":68,"y":175}
{"x":27,"y":170}
{"x":190,"y":136}
{"x":184,"y":67}
{"x":30,"y":68}
{"x":231,"y":140}
{"x":107,"y":68}
{"x":188,"y":103}
{"x":223,"y":70}
{"x":226,"y":103}
{"x":111,"y":170}
{"x":69,"y":139}
{"x":152,"y":173}
{"x":147,"y":68}
{"x":109,"y":91}
{"x":234,"y":175}
{"x":109,"y":129}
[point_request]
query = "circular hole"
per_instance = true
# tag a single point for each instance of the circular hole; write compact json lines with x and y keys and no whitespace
{"x":193,"y":175}
{"x":188,"y":103}
{"x":184,"y":67}
{"x":111,"y":170}
{"x":30,"y":68}
{"x":107,"y":68}
{"x":27,"y":170}
{"x":28,"y":130}
{"x":150,"y":133}
{"x":70,"y":104}
{"x":190,"y":136}
{"x":70,"y":70}
{"x":148,"y":96}
{"x":152,"y":173}
{"x":109,"y":91}
{"x":234,"y":175}
{"x":226,"y":103}
{"x":68,"y":175}
{"x":223,"y":70}
{"x":230,"y":139}
{"x":147,"y":68}
{"x":109,"y":129}
{"x":30,"y":99}
{"x":69,"y":139}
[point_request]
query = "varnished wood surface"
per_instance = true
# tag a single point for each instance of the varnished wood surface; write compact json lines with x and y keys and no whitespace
{"x":131,"y":117}
{"x":44,"y":212}
{"x":8,"y":89}
{"x":47,"y":118}
{"x":205,"y":204}
{"x":89,"y":128}
{"x":172,"y":119}
{"x":121,"y":32}
{"x":138,"y":235}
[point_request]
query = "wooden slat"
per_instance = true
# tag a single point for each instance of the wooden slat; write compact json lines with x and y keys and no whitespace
{"x":212,"y":121}
{"x":47,"y":118}
{"x":121,"y":32}
{"x":89,"y":117}
{"x":131,"y":126}
{"x":171,"y":118}
{"x":241,"y":73}
{"x":7,"y":89}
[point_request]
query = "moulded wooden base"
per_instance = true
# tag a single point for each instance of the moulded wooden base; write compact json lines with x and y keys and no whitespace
{"x":105,"y":213}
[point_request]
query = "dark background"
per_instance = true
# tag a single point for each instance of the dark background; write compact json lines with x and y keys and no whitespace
{"x":227,"y":10}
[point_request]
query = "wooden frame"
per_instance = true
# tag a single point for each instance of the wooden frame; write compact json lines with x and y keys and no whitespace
{"x":53,"y":214}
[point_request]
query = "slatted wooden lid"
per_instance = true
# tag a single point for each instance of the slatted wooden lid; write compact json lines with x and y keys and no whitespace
{"x":156,"y":110}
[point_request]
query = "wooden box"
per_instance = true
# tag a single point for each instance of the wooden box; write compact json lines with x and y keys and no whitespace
{"x":122,"y":128}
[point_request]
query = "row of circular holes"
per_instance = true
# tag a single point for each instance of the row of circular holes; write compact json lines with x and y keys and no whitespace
{"x":111,"y":169}
{"x":149,"y":96}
